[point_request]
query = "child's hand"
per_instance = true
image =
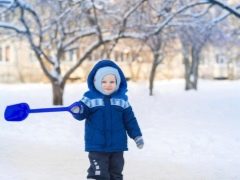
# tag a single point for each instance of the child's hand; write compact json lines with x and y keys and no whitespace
{"x":139,"y":142}
{"x":75,"y":109}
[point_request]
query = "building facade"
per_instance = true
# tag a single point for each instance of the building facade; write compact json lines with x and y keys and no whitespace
{"x":19,"y":64}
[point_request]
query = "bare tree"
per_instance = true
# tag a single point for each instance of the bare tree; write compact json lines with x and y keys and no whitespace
{"x":151,"y":20}
{"x":195,"y":30}
{"x":155,"y":43}
{"x":194,"y":35}
{"x":193,"y":40}
{"x":168,"y":14}
{"x":55,"y":28}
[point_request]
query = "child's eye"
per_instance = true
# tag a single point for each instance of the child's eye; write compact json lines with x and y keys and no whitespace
{"x":103,"y":81}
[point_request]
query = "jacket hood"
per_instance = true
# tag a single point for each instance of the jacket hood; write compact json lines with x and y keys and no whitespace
{"x":103,"y":63}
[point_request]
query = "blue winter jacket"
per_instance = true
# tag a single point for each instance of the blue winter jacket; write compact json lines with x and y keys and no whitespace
{"x":109,"y":118}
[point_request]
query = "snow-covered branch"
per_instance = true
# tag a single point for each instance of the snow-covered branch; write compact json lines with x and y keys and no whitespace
{"x":204,"y":11}
{"x":128,"y":13}
{"x":160,"y":26}
{"x":79,"y":36}
{"x":232,"y":10}
{"x":13,"y":27}
{"x":6,"y":3}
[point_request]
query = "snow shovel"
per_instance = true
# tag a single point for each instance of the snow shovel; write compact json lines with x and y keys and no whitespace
{"x":19,"y":112}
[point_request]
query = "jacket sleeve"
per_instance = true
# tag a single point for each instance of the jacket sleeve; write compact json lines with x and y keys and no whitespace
{"x":131,"y":123}
{"x":84,"y":112}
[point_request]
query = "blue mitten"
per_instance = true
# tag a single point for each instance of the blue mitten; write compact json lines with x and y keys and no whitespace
{"x":139,"y":142}
{"x":76,"y":108}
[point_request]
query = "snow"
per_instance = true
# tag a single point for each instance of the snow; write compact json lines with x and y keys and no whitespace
{"x":188,"y":135}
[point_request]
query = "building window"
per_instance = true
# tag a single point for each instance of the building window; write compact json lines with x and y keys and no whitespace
{"x":221,"y":59}
{"x":32,"y":56}
{"x":116,"y":56}
{"x":6,"y":17}
{"x":78,"y":54}
{"x":1,"y":54}
{"x":72,"y":55}
{"x":7,"y":53}
{"x":63,"y":57}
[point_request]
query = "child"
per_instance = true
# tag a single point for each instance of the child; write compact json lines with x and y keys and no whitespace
{"x":109,"y":118}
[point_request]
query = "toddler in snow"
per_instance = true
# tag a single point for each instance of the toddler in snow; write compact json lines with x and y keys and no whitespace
{"x":109,"y":119}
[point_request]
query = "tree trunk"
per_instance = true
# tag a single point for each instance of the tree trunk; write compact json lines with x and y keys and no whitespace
{"x":186,"y":59}
{"x":195,"y":56}
{"x":191,"y":70}
{"x":57,"y":90}
{"x":152,"y":74}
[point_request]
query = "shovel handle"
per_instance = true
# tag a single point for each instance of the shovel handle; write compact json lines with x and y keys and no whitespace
{"x":42,"y":110}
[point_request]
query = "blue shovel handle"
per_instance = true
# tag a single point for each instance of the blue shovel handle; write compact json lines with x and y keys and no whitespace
{"x":19,"y":112}
{"x":43,"y":110}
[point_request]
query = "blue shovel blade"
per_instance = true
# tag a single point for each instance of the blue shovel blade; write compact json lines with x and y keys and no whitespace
{"x":16,"y":112}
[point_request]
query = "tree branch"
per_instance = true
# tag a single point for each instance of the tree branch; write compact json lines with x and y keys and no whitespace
{"x":12,"y":27}
{"x":170,"y":18}
{"x":232,"y":10}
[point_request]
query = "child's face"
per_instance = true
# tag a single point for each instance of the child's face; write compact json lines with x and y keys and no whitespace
{"x":109,"y":84}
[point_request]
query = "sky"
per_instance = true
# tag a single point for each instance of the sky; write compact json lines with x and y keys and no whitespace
{"x":188,"y":135}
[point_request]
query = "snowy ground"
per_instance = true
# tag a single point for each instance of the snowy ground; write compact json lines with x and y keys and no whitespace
{"x":188,"y":135}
